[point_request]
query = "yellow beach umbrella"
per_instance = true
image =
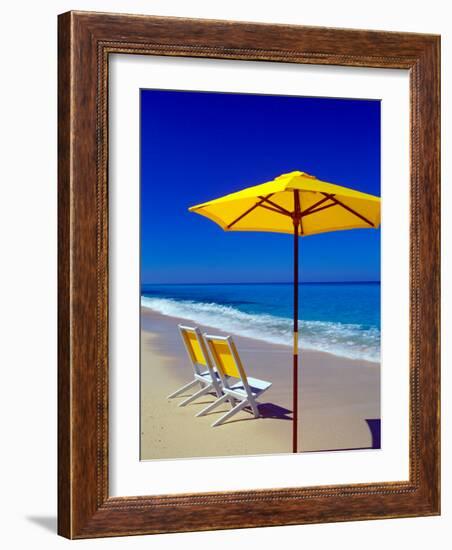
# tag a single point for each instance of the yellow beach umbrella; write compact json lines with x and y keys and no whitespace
{"x":299,"y":204}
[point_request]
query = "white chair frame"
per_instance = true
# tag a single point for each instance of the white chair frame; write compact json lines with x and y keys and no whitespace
{"x":203,"y":375}
{"x":245,"y":391}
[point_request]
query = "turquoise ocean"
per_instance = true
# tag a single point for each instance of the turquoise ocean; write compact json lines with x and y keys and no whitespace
{"x":339,"y":318}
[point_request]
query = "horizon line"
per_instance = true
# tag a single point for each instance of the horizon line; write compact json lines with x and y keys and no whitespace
{"x":268,"y":283}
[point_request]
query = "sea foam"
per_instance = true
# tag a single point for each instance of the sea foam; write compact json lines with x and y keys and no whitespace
{"x":346,"y":340}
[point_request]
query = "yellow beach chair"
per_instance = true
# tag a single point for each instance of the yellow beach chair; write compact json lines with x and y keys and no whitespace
{"x":203,"y":371}
{"x":236,"y":385}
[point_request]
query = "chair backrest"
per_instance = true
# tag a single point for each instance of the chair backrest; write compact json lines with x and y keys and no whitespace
{"x":196,"y":348}
{"x":227,"y":359}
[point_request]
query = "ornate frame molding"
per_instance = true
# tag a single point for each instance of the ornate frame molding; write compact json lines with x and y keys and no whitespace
{"x":85,"y":42}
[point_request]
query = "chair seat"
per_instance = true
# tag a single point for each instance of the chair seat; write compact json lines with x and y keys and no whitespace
{"x":205,"y":376}
{"x":256,"y":386}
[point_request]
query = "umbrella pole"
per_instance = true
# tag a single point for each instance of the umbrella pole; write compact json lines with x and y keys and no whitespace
{"x":295,"y":339}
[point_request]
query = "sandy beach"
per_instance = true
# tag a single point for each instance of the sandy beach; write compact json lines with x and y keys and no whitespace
{"x":339,"y":404}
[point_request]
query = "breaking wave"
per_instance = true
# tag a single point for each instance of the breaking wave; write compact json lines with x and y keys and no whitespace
{"x":347,"y":340}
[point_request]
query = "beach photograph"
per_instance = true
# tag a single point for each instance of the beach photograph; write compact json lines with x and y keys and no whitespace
{"x":260,"y":274}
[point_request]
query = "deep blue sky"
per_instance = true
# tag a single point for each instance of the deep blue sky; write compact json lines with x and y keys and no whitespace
{"x":196,"y":146}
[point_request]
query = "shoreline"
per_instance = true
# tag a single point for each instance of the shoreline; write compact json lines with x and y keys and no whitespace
{"x":343,"y":339}
{"x":145,"y":312}
{"x":339,"y":404}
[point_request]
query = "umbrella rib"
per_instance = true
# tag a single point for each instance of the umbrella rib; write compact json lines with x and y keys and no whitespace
{"x":320,"y":209}
{"x":275,"y":210}
{"x":249,"y":210}
{"x":318,"y":203}
{"x":360,"y":216}
{"x":280,"y":208}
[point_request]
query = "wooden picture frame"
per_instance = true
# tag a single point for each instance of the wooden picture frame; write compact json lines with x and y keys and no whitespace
{"x":86,"y":40}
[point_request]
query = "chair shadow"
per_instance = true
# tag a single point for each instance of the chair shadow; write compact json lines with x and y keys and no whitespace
{"x":266,"y":410}
{"x":205,"y":401}
{"x":270,"y":410}
{"x":49,"y":523}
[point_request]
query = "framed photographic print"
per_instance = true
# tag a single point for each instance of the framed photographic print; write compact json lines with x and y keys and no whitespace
{"x":248,"y":274}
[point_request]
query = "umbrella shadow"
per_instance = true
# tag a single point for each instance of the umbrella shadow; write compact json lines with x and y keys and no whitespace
{"x":375,"y":431}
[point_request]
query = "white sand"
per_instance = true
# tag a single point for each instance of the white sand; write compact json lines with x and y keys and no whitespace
{"x":336,"y":398}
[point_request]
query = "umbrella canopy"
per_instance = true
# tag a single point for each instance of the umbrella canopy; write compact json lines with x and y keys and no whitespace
{"x":271,"y":206}
{"x":295,"y":203}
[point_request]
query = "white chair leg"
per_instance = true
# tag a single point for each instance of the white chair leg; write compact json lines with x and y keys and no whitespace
{"x":255,"y":408}
{"x":210,"y":407}
{"x":202,"y":391}
{"x":181,"y":390}
{"x":230,"y":413}
{"x":231,"y":401}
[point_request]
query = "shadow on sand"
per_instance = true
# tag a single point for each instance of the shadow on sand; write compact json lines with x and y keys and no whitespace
{"x":270,"y":410}
{"x":375,"y":430}
{"x":266,"y":410}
